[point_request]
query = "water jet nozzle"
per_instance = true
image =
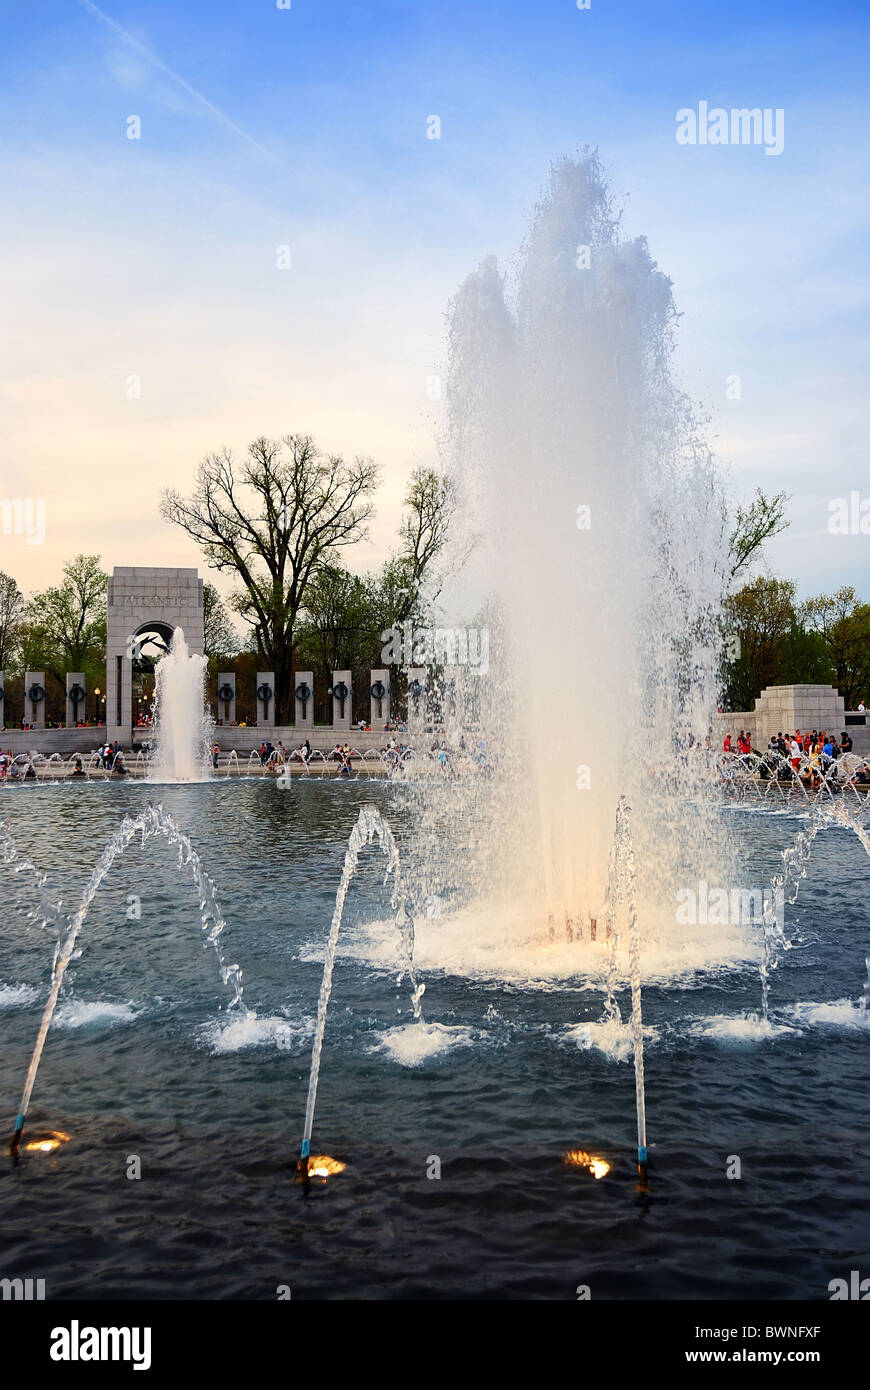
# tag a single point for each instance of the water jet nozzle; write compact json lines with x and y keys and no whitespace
{"x":15,"y":1142}
{"x":303,"y":1163}
{"x":642,"y":1171}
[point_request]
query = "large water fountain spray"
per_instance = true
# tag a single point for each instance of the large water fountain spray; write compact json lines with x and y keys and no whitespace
{"x":601,"y":565}
{"x":183,"y":728}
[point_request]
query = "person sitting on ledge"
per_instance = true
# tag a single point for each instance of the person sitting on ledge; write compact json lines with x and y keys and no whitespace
{"x":78,"y":770}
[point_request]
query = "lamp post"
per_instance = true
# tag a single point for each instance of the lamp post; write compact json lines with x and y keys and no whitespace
{"x":97,"y":705}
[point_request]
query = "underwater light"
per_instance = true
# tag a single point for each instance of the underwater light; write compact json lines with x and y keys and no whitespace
{"x":47,"y":1143}
{"x":579,"y":1158}
{"x":318,"y":1166}
{"x":322,"y":1166}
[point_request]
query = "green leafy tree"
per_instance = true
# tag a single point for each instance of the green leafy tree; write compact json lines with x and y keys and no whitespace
{"x":338,"y":628}
{"x":221,"y":638}
{"x":761,"y":615}
{"x":842,"y":621}
{"x":11,"y":612}
{"x":804,"y":658}
{"x":65,"y":625}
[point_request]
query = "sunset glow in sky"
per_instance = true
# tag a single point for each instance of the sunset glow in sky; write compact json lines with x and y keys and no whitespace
{"x":157,"y":258}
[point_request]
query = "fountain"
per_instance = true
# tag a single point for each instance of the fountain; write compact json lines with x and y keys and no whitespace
{"x":370,"y":825}
{"x":154,"y":821}
{"x":183,"y":730}
{"x":579,"y":458}
{"x":625,"y":851}
{"x":772,"y":777}
{"x":575,"y":448}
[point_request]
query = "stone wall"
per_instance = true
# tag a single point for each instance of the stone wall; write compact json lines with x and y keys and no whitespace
{"x":52,"y":740}
{"x":243,"y":740}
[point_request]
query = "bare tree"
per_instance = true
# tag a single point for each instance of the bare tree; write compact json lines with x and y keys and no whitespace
{"x":272,"y":519}
{"x":413,"y":576}
{"x":430,"y":506}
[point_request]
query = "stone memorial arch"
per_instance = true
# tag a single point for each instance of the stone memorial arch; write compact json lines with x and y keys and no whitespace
{"x":143,"y":602}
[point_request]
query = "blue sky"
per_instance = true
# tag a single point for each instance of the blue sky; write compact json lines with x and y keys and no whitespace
{"x":156,"y":258}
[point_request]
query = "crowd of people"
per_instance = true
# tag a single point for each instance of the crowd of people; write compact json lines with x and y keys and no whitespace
{"x":812,"y":756}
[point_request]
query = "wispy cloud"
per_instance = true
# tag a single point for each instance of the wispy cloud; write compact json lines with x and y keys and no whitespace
{"x":151,"y":57}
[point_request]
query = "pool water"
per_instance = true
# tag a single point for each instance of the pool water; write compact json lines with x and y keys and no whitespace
{"x":453,"y":1131}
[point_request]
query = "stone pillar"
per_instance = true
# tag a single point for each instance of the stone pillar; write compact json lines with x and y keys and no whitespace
{"x":34,"y":699}
{"x":266,"y":699}
{"x":416,"y":699}
{"x":143,"y":598}
{"x":380,"y":694}
{"x":76,"y":698}
{"x":342,"y":699}
{"x":304,"y":701}
{"x":791,"y":707}
{"x":226,"y":703}
{"x":2,"y":700}
{"x":119,"y":696}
